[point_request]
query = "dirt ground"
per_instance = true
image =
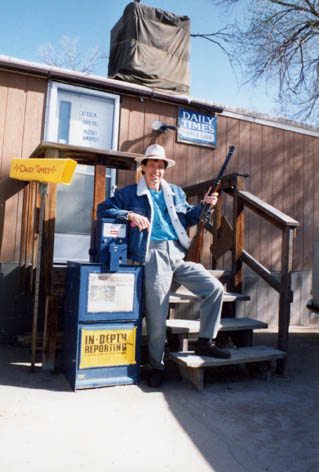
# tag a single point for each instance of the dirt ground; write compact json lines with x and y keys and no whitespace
{"x":239,"y":423}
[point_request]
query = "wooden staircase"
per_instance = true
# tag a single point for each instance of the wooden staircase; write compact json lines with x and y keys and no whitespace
{"x":236,"y":333}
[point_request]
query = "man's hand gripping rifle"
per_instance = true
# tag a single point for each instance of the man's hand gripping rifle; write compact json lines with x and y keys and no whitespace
{"x":194,"y":250}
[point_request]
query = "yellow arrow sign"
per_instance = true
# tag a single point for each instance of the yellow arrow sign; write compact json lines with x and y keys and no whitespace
{"x":58,"y":171}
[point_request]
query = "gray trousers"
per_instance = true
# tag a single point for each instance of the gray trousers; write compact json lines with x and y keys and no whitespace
{"x":163,"y":265}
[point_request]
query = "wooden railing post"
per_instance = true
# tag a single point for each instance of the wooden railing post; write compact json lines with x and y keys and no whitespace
{"x":99,"y":188}
{"x":238,"y":237}
{"x":217,"y":216}
{"x":285,"y":294}
{"x":98,"y":194}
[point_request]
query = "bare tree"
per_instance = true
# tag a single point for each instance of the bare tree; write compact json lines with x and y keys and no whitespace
{"x":67,"y":54}
{"x":277,"y":41}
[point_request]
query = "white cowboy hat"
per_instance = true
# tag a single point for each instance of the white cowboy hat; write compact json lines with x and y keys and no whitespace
{"x":155,"y":151}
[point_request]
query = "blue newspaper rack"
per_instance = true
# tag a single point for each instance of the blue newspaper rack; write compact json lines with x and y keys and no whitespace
{"x":102,"y":325}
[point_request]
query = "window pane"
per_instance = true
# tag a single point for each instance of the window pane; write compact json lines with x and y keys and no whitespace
{"x":64,"y":121}
{"x":74,"y":205}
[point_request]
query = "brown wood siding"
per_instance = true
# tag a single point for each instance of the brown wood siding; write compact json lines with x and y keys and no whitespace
{"x":298,"y":197}
{"x":253,"y":184}
{"x":277,"y":189}
{"x":315,"y":216}
{"x":308,"y":201}
{"x":22,"y":101}
{"x":281,"y":165}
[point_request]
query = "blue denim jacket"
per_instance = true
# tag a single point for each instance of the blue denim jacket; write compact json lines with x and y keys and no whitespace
{"x":137,"y":199}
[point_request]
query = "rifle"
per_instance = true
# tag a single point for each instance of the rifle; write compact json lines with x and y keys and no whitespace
{"x":194,"y":250}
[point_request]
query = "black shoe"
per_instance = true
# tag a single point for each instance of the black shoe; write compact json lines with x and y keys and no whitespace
{"x":154,"y":378}
{"x":211,"y":350}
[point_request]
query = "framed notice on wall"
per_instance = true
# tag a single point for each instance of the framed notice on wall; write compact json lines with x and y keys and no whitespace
{"x":82,"y":116}
{"x":197,"y":128}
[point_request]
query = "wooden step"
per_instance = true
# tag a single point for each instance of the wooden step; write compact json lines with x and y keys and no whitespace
{"x":183,"y":295}
{"x":192,"y":366}
{"x":227,"y":324}
{"x":185,"y":328}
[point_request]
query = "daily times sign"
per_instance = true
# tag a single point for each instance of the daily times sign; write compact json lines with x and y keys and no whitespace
{"x":197,"y":128}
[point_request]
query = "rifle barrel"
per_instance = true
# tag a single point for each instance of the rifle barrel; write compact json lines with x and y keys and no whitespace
{"x":223,"y":167}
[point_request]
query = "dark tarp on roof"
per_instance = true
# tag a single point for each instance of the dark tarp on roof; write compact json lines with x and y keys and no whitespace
{"x":151,"y":47}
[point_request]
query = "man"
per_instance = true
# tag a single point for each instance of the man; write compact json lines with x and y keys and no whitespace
{"x":159,"y":215}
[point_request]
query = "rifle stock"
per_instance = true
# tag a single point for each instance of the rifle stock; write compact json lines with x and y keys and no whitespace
{"x":194,"y":251}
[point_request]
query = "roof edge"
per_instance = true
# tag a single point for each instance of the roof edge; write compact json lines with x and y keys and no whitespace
{"x":57,"y":73}
{"x":267,"y":120}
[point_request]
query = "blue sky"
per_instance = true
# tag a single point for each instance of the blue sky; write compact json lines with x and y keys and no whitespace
{"x":28,"y":24}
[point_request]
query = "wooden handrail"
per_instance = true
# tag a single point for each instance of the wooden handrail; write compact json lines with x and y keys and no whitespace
{"x":261,"y":270}
{"x":270,"y":213}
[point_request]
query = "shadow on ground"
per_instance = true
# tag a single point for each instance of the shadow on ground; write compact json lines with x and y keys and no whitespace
{"x":15,"y":371}
{"x":265,"y":423}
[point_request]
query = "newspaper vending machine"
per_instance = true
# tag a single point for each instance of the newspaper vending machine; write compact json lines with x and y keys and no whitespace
{"x":103,"y":308}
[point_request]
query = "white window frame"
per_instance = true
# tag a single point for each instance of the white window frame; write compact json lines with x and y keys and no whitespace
{"x":51,"y":124}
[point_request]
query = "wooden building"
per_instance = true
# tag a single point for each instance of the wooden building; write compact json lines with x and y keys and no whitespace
{"x":278,"y":158}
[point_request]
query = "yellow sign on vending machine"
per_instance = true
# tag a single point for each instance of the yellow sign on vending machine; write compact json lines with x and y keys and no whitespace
{"x":58,"y":171}
{"x":104,"y":348}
